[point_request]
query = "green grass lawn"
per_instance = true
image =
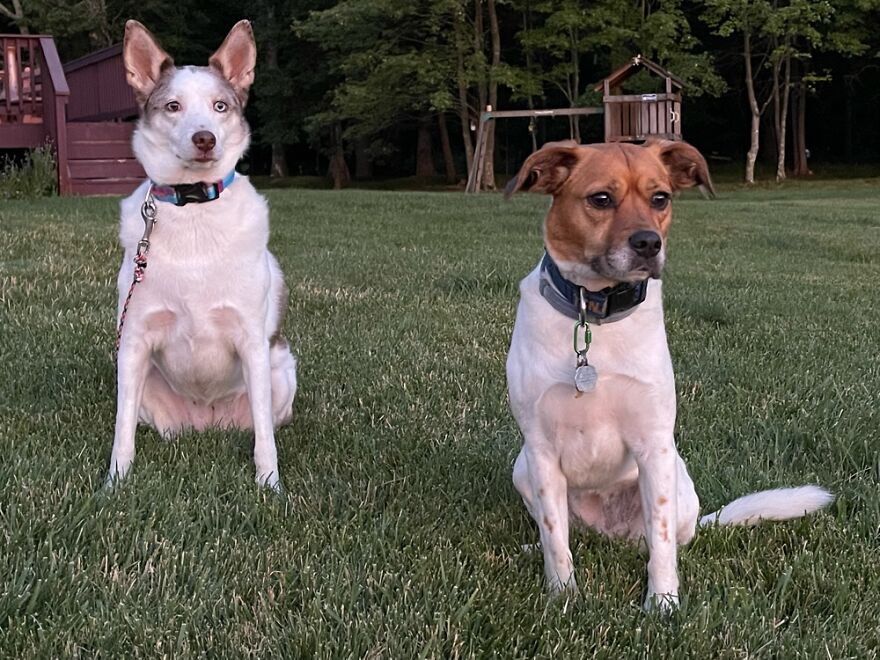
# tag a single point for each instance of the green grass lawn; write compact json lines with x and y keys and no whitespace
{"x":400,"y":533}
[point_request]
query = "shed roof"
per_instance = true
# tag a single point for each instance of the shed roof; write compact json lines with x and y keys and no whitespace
{"x":631,"y":67}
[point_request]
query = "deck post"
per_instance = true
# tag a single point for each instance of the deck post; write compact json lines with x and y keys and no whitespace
{"x":55,"y":95}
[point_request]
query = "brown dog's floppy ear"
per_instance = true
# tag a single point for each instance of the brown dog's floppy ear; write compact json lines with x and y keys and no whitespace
{"x":686,"y":165}
{"x":236,"y":58}
{"x":144,"y":60}
{"x":546,"y":169}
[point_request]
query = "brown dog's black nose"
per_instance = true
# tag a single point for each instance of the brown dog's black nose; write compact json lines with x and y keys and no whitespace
{"x":205,"y":141}
{"x":645,"y":243}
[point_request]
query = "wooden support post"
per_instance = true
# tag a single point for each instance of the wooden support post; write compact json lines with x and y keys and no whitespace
{"x":475,"y":177}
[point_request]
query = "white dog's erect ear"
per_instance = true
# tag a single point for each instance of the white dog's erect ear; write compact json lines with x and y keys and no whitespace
{"x":546,"y":169}
{"x":687,"y":167}
{"x":144,"y":59}
{"x":236,"y":58}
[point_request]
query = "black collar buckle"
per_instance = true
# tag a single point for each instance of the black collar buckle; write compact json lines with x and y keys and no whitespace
{"x":195,"y":193}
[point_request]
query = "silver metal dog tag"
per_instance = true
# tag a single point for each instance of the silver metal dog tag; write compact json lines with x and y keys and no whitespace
{"x":585,"y":378}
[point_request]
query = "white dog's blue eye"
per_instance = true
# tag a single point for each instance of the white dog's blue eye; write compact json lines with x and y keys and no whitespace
{"x":172,"y":106}
{"x":220,"y":106}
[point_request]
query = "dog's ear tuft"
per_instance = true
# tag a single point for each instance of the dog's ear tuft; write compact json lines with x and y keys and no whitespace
{"x":236,"y":58}
{"x":686,"y":166}
{"x":144,"y":60}
{"x":545,"y":170}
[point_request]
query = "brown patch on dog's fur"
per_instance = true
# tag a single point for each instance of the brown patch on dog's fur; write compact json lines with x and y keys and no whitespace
{"x":548,"y":524}
{"x":662,"y":500}
{"x":574,"y":230}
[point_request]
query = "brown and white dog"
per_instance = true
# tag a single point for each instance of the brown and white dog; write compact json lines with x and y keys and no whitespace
{"x":201,"y":344}
{"x":602,"y":453}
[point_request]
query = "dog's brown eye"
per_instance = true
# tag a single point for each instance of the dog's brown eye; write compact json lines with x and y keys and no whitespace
{"x":601,"y":200}
{"x":220,"y":106}
{"x":172,"y":106}
{"x":660,"y":200}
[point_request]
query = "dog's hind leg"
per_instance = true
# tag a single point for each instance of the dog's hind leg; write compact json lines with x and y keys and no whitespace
{"x":236,"y":413}
{"x":688,"y":505}
{"x":257,"y":369}
{"x":164,"y":409}
{"x":283,"y":383}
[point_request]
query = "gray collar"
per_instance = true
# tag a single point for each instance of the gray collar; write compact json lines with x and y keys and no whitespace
{"x":578,"y":303}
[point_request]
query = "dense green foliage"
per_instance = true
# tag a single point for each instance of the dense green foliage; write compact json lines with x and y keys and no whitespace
{"x":34,"y":175}
{"x":400,"y":535}
{"x":376,"y":82}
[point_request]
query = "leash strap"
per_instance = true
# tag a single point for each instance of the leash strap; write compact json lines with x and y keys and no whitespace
{"x":148,"y":213}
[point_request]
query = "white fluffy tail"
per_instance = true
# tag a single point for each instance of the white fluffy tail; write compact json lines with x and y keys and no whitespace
{"x":776,"y":504}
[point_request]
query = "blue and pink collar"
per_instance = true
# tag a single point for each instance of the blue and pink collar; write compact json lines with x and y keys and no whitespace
{"x":192,"y":193}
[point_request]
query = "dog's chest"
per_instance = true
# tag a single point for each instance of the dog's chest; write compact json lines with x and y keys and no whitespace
{"x":195,"y":349}
{"x":596,"y":433}
{"x":207,"y":278}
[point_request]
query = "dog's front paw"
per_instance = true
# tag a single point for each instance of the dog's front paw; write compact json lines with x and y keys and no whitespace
{"x":117,"y":473}
{"x":270,"y":480}
{"x":665,"y":603}
{"x":557,"y":588}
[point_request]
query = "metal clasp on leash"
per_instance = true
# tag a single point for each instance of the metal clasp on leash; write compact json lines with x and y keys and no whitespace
{"x":581,"y":323}
{"x":148,"y":214}
{"x":585,"y":375}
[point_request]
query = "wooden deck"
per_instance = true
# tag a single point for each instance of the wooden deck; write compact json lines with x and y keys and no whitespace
{"x":84,"y":109}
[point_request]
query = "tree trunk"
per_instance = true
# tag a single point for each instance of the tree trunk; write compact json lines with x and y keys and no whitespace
{"x":494,"y":31}
{"x":102,"y":36}
{"x":279,"y":161}
{"x":478,"y":53}
{"x":363,"y":164}
{"x":576,"y":83}
{"x":849,"y":81}
{"x":16,"y":15}
{"x":338,"y":168}
{"x":463,"y":109}
{"x":448,"y":160}
{"x":424,"y":155}
{"x":530,"y":100}
{"x":755,"y":135}
{"x":801,"y":167}
{"x":783,"y":117}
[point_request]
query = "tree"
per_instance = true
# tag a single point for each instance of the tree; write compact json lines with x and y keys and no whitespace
{"x":746,"y":18}
{"x":394,"y":65}
{"x":14,"y":12}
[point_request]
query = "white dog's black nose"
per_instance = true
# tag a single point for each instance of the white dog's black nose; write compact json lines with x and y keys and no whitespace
{"x":645,"y":243}
{"x":205,"y":141}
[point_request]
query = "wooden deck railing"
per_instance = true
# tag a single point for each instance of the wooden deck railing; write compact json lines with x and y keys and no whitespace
{"x":33,"y":96}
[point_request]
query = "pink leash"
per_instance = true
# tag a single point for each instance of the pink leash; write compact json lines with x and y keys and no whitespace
{"x":148,"y":213}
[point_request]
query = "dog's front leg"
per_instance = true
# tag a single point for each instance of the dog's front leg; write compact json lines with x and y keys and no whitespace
{"x":254,"y":353}
{"x":132,"y":366}
{"x":659,"y":496}
{"x":549,"y":498}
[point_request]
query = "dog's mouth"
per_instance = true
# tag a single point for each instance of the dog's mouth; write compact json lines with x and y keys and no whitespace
{"x":619,"y":268}
{"x":199,"y":159}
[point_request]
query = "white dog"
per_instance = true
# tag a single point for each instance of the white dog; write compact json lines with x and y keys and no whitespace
{"x":598,"y":418}
{"x":199,"y":342}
